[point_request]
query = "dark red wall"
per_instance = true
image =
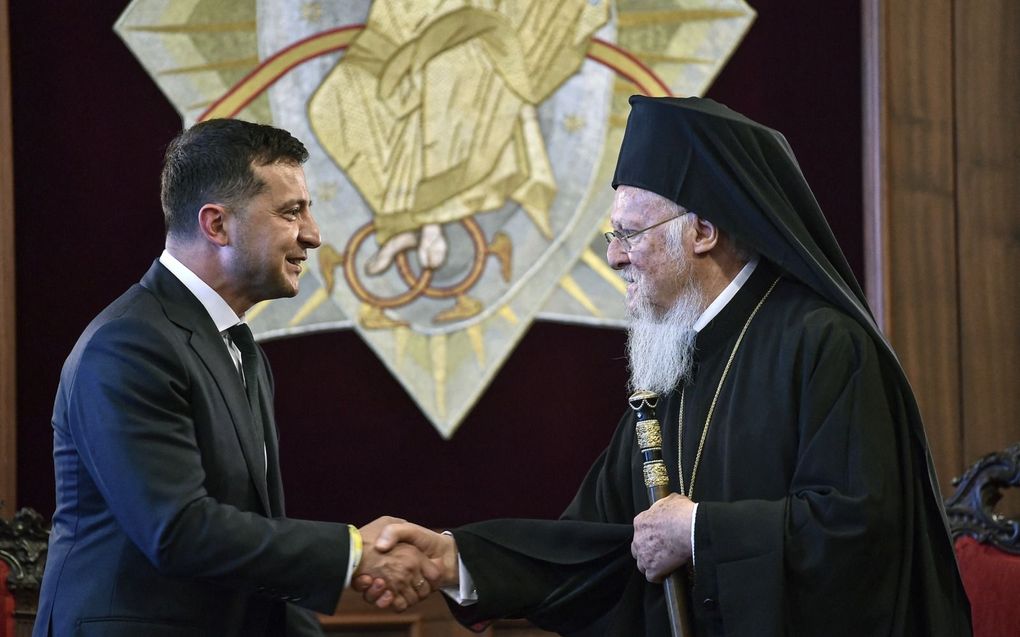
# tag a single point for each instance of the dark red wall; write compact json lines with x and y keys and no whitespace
{"x":90,"y":127}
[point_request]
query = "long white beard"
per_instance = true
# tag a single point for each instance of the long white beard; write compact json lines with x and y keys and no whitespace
{"x":661,"y":347}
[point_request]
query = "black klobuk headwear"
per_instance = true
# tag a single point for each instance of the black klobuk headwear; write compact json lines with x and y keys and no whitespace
{"x":743,"y":177}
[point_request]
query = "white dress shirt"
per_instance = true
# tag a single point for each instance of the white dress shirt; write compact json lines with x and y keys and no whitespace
{"x":221,"y":314}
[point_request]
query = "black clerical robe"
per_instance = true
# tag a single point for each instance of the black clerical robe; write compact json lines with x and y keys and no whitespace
{"x":815,"y":514}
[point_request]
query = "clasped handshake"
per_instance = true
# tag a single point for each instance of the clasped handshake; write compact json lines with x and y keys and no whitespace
{"x":403,"y":563}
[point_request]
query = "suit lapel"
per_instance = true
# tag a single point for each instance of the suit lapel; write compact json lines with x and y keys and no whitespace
{"x":213,"y":353}
{"x":185,"y":310}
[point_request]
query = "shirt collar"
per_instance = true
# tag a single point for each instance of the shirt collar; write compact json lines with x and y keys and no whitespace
{"x":727,"y":294}
{"x":218,"y":310}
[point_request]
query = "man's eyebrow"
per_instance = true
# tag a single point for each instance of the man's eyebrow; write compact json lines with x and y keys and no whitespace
{"x":298,"y":201}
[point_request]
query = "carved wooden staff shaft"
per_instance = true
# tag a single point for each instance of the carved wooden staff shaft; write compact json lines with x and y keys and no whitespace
{"x":649,"y":439}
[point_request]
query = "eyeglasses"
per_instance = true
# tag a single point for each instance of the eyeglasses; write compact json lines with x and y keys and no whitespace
{"x":626,"y":237}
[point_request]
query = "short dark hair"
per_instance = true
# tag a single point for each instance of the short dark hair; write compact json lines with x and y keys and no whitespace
{"x":212,"y":162}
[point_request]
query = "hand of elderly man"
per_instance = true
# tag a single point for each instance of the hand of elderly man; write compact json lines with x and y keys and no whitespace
{"x":402,"y":574}
{"x":662,"y":537}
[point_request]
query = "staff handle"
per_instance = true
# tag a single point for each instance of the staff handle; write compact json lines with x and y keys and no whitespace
{"x":649,"y":440}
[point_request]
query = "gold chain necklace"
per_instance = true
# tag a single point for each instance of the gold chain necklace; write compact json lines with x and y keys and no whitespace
{"x":708,"y":419}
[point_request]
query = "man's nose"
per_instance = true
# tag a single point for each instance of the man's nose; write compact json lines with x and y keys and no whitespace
{"x":616,"y":255}
{"x":309,"y":234}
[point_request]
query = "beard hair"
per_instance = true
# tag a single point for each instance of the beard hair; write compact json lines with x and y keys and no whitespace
{"x":660,"y":347}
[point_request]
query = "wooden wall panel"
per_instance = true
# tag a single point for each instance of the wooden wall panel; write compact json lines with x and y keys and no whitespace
{"x":8,"y":422}
{"x":987,"y":52}
{"x":942,"y":175}
{"x":922,"y":319}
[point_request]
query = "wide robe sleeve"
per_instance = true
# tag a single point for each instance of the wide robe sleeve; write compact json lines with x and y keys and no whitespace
{"x":817,"y":561}
{"x":562,"y":575}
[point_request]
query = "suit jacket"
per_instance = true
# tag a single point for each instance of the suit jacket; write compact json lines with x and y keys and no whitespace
{"x":169,"y":517}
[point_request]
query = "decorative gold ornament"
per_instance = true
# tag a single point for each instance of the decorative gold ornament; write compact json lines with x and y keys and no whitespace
{"x":655,"y":474}
{"x":649,"y":434}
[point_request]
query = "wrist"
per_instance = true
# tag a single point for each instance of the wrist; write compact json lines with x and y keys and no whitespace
{"x":449,"y":564}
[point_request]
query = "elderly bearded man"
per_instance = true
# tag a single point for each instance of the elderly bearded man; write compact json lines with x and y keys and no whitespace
{"x":803,"y":500}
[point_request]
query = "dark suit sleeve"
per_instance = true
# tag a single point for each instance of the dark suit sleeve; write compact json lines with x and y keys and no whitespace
{"x":301,"y":622}
{"x":131,"y":398}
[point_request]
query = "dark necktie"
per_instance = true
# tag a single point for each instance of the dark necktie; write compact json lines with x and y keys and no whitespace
{"x":250,"y":363}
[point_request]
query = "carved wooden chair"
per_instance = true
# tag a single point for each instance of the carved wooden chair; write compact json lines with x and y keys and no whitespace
{"x":23,"y":543}
{"x":988,"y":544}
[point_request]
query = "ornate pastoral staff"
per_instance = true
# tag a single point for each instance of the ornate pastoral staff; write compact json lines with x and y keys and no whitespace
{"x":649,"y":439}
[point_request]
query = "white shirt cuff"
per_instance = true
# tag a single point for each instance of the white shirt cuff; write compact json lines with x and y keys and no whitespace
{"x":350,"y":569}
{"x":694,"y":521}
{"x":465,"y":594}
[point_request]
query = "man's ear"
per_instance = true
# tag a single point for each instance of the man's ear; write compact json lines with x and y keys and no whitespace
{"x":706,"y":235}
{"x":212,"y":223}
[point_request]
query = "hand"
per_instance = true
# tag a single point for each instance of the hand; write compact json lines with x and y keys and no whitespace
{"x":403,"y":575}
{"x":662,"y":537}
{"x":432,"y":249}
{"x":440,"y":549}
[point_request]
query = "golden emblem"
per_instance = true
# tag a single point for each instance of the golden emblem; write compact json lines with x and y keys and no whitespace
{"x":431,"y":114}
{"x":460,"y":154}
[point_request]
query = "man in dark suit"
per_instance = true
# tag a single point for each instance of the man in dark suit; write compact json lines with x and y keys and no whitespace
{"x":170,"y":516}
